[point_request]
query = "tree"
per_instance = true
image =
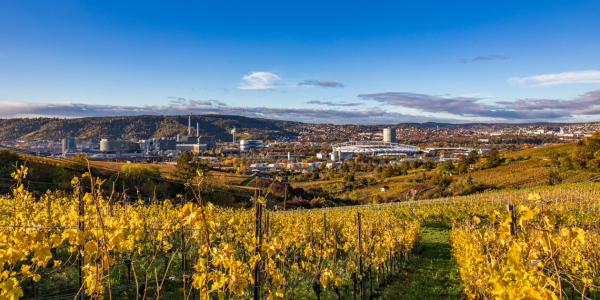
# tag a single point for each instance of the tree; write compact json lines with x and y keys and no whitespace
{"x":494,"y":158}
{"x":416,"y":164}
{"x":473,"y":157}
{"x":581,"y":154}
{"x":377,"y":199}
{"x":469,"y":180}
{"x":345,"y":167}
{"x":430,"y":163}
{"x":59,"y":174}
{"x":349,"y":178}
{"x":188,"y":165}
{"x":554,"y":178}
{"x":362,"y":181}
{"x":446,"y":166}
{"x":385,"y":173}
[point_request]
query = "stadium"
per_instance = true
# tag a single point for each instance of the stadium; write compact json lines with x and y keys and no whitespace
{"x":353,"y":148}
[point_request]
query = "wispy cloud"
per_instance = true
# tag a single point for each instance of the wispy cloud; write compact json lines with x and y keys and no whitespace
{"x":586,"y":104}
{"x":217,"y":102}
{"x":334,"y":116}
{"x":590,"y":76}
{"x":528,"y":109}
{"x":325,"y":84}
{"x":522,"y":110}
{"x":259,"y":81}
{"x":329,"y":103}
{"x":314,"y":115}
{"x":486,"y":57}
{"x":179,"y":101}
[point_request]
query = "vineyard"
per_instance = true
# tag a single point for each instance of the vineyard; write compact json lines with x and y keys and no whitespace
{"x":543,"y":151}
{"x":525,"y":174}
{"x":84,"y":244}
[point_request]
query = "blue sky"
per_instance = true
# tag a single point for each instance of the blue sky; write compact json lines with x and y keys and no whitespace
{"x":334,"y":62}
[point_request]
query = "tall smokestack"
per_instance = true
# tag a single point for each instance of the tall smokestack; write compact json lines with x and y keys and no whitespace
{"x":242,"y":111}
{"x":198,"y":129}
{"x":190,"y":124}
{"x":219,"y":108}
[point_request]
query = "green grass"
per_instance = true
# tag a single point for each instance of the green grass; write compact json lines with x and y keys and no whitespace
{"x":432,"y":273}
{"x":246,"y":181}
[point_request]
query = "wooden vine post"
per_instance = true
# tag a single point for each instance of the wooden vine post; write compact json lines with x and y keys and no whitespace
{"x":513,"y":215}
{"x":80,"y":258}
{"x":257,"y":236}
{"x":360,"y":259}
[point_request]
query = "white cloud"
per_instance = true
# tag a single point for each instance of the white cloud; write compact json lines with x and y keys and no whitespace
{"x":259,"y":81}
{"x":590,"y":76}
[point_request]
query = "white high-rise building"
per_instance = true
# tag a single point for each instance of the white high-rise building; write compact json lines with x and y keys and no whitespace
{"x":389,"y":135}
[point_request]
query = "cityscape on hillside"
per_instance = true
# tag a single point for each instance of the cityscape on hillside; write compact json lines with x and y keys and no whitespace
{"x":305,"y":134}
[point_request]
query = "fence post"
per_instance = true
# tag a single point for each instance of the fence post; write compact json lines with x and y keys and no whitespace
{"x":257,"y":236}
{"x":183,"y":250}
{"x":80,"y":259}
{"x":325,"y":227}
{"x":360,"y":259}
{"x":513,"y":215}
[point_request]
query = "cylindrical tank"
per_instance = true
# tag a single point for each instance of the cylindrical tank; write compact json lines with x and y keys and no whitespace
{"x":389,"y":135}
{"x":116,"y":146}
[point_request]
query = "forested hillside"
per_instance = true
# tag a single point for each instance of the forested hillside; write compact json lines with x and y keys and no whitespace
{"x":130,"y":127}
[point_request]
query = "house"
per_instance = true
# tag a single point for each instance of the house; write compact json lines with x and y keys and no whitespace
{"x":385,"y":188}
{"x":322,"y":155}
{"x":262,"y":175}
{"x":443,"y":159}
{"x":294,"y":165}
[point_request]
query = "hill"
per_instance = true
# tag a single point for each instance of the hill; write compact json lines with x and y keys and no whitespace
{"x":135,"y":127}
{"x":544,"y":151}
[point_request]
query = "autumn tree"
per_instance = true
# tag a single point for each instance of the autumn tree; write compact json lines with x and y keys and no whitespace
{"x":188,"y":166}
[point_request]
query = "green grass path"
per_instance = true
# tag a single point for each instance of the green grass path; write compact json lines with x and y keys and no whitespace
{"x":432,"y":273}
{"x":246,"y":181}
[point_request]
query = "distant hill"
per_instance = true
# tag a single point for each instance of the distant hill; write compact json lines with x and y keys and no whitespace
{"x":134,"y":127}
{"x":472,"y":125}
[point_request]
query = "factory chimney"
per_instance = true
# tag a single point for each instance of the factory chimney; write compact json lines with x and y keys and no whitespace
{"x":190,"y":124}
{"x":232,"y":131}
{"x":198,"y":130}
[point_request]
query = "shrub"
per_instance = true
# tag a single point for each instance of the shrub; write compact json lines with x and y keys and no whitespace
{"x":377,"y":199}
{"x":321,"y":202}
{"x":153,"y":171}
